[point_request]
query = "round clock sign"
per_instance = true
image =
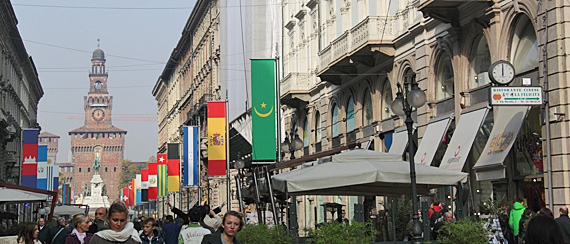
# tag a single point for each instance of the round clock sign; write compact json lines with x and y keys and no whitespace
{"x":98,"y":114}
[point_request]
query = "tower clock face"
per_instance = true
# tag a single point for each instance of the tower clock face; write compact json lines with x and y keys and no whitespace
{"x":98,"y":114}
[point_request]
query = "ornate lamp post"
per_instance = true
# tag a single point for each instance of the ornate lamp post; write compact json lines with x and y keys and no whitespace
{"x":295,"y":144}
{"x":403,"y":105}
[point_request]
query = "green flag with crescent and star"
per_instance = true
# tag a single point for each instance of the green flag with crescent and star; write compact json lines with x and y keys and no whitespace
{"x":263,"y":110}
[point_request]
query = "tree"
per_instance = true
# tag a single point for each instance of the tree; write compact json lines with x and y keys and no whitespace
{"x":129,"y":170}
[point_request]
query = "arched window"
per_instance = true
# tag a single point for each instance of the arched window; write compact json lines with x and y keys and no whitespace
{"x":306,"y":133}
{"x":367,"y":115}
{"x":524,"y":46}
{"x":114,"y":169}
{"x":98,"y":85}
{"x":350,"y":115}
{"x":105,"y":169}
{"x":318,"y":127}
{"x":479,"y":61}
{"x":444,"y":85}
{"x":387,"y":100}
{"x":335,"y":121}
{"x":79,"y":170}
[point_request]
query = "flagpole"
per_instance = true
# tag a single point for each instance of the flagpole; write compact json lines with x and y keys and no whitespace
{"x":229,"y":203}
{"x":278,"y":110}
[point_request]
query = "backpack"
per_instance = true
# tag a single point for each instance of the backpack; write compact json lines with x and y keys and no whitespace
{"x":434,"y":216}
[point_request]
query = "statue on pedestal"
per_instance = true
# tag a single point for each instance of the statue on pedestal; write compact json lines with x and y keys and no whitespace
{"x":86,"y":192}
{"x":97,"y":163}
{"x":104,"y":191}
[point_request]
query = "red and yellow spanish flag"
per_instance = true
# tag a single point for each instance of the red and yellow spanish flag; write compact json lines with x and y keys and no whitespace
{"x":162,"y":175}
{"x":217,"y":138}
{"x":173,"y":157}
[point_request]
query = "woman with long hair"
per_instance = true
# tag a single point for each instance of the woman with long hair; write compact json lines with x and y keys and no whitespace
{"x":120,"y":231}
{"x":231,"y":225}
{"x":79,"y":235}
{"x":542,"y":229}
{"x":28,"y":235}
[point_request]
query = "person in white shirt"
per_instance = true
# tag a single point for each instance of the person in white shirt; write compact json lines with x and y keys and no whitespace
{"x":194,"y":232}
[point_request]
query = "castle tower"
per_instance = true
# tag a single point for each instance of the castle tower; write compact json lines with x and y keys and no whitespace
{"x":98,"y":138}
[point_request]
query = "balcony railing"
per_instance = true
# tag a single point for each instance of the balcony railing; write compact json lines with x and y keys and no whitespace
{"x":296,"y":83}
{"x":372,"y":30}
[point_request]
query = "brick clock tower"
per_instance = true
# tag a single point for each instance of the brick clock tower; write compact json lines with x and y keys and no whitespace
{"x":98,"y":138}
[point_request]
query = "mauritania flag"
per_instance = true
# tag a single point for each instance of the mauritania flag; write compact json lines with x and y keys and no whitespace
{"x":30,"y":157}
{"x":162,"y":176}
{"x":217,"y":138}
{"x":43,"y":168}
{"x":263,"y":115}
{"x":173,"y":155}
{"x":191,"y":163}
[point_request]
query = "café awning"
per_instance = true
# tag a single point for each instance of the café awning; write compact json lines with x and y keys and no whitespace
{"x":380,"y":176}
{"x":463,"y":138}
{"x":435,"y":131}
{"x":399,"y":141}
{"x":508,"y":121}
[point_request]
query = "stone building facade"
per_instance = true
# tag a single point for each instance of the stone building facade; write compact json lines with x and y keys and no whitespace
{"x":20,"y":92}
{"x":98,"y":140}
{"x":190,"y":79}
{"x":342,"y":61}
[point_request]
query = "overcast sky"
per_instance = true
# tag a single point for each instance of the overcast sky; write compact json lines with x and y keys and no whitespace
{"x":137,"y":37}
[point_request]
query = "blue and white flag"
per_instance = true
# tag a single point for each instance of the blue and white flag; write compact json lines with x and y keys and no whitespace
{"x":191,"y":155}
{"x":42,"y":168}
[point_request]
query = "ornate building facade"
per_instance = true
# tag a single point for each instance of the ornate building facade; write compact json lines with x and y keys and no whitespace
{"x":342,"y":61}
{"x":98,"y":140}
{"x":20,"y":92}
{"x":189,"y":80}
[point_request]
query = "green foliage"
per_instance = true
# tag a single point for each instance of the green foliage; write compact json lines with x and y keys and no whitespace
{"x":494,"y":207}
{"x":403,"y":207}
{"x":129,"y":170}
{"x":261,"y":234}
{"x":338,"y":233}
{"x":463,"y":232}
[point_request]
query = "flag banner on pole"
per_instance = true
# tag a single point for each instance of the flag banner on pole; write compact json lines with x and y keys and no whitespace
{"x":162,"y":175}
{"x":63,"y":192}
{"x":30,"y":157}
{"x":132,"y":199}
{"x":55,"y":178}
{"x":263,"y":142}
{"x":173,"y":157}
{"x":138,"y":189}
{"x":125,"y":196}
{"x":191,"y":156}
{"x":144,"y":185}
{"x":153,"y":178}
{"x":42,"y":180}
{"x":217,"y":138}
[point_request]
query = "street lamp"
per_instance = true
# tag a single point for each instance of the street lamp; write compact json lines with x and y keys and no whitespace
{"x":403,"y":105}
{"x":295,"y":144}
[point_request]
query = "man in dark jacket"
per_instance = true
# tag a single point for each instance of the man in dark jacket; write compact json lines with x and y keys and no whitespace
{"x":100,"y":222}
{"x":171,"y":231}
{"x":57,"y":235}
{"x":43,"y":234}
{"x":564,"y":223}
{"x":150,"y":234}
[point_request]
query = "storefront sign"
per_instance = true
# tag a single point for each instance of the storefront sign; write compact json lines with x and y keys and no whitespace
{"x":526,"y":95}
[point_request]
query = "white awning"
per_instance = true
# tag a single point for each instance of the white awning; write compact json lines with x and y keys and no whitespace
{"x":399,"y":141}
{"x":21,"y":196}
{"x":462,"y":140}
{"x":435,"y":131}
{"x":67,"y":210}
{"x":508,"y":121}
{"x":381,"y":176}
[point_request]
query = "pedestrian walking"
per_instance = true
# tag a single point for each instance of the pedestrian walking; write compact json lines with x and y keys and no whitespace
{"x":434,"y":212}
{"x":437,"y":228}
{"x":194,"y":232}
{"x":564,"y":223}
{"x":43,"y":234}
{"x":119,"y":229}
{"x":515,"y":218}
{"x":150,"y":234}
{"x":171,"y":231}
{"x":59,"y":233}
{"x":543,"y":230}
{"x":28,"y":235}
{"x":100,"y":221}
{"x":79,"y":235}
{"x":524,"y":218}
{"x":547,"y":212}
{"x":232,"y":222}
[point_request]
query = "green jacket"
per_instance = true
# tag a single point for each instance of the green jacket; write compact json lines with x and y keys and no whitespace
{"x":515,"y":217}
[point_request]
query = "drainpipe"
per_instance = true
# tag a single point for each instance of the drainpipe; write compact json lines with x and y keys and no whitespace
{"x":547,"y":107}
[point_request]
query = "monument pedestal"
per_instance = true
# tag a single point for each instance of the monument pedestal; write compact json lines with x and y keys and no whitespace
{"x":96,"y":200}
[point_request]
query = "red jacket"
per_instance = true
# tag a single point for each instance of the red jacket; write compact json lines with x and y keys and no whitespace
{"x":436,"y":208}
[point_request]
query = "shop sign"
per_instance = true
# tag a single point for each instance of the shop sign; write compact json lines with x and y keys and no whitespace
{"x":526,"y":95}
